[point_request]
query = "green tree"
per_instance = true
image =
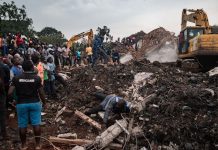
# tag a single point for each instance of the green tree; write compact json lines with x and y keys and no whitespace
{"x":14,"y":19}
{"x":215,"y":29}
{"x":51,"y":36}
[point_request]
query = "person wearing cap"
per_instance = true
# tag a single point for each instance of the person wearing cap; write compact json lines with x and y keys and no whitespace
{"x":110,"y":104}
{"x":29,"y":93}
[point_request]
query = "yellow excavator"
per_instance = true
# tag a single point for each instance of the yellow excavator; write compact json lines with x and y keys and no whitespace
{"x":74,"y":38}
{"x":198,"y":42}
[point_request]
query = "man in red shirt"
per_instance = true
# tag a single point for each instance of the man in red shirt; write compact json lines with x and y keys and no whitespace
{"x":19,"y":40}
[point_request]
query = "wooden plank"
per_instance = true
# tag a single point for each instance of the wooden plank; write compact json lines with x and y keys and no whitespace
{"x":78,"y":148}
{"x":88,"y":120}
{"x":124,"y":129}
{"x":115,"y":146}
{"x":69,"y":141}
{"x":81,"y":142}
{"x":110,"y":134}
{"x":59,"y":113}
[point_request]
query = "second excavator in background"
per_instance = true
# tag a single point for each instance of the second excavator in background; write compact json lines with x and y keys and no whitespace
{"x":101,"y":32}
{"x":199,"y":42}
{"x":75,"y":38}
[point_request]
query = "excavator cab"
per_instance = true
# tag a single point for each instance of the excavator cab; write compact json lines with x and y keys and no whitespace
{"x":186,"y":35}
{"x":198,"y":42}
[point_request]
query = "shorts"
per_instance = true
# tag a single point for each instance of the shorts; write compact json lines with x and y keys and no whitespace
{"x":28,"y":111}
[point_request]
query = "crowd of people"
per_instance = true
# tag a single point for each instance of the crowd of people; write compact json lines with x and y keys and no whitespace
{"x":28,"y":72}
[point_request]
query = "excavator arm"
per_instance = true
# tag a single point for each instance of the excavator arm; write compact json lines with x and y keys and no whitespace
{"x":79,"y":36}
{"x":199,"y":17}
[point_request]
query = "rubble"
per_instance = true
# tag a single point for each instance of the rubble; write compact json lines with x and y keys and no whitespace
{"x":172,"y":108}
{"x":157,"y":45}
{"x":180,"y":113}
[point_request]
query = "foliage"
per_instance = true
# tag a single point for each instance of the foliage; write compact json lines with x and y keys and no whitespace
{"x":51,"y":36}
{"x":14,"y":19}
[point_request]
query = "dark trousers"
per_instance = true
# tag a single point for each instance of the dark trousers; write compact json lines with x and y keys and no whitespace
{"x":66,"y":61}
{"x":49,"y":87}
{"x":100,"y":96}
{"x":90,"y":59}
{"x":46,"y":86}
{"x":52,"y":88}
{"x":94,"y":110}
{"x":2,"y":114}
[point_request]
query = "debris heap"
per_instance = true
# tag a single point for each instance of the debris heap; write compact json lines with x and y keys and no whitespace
{"x":179,"y":108}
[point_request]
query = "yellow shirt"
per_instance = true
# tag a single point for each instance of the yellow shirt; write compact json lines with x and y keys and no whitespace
{"x":89,"y":50}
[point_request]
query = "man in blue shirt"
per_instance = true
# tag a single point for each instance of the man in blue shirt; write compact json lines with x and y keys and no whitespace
{"x":16,"y":69}
{"x":110,"y":104}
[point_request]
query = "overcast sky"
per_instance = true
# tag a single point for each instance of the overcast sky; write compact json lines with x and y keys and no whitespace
{"x":123,"y":17}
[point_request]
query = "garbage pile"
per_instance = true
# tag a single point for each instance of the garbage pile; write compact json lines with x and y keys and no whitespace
{"x":179,"y":109}
{"x":155,"y":41}
{"x":157,"y":45}
{"x":171,"y":109}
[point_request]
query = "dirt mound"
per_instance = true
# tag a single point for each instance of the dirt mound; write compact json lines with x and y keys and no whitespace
{"x":183,"y":114}
{"x":154,"y":41}
{"x":157,"y":45}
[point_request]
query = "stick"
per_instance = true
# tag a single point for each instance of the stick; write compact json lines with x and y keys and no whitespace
{"x":88,"y":120}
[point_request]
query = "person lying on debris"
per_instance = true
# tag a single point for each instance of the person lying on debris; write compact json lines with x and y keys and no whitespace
{"x":110,"y":104}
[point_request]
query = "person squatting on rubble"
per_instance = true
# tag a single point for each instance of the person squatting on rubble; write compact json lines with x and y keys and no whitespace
{"x":110,"y":104}
{"x":29,"y":91}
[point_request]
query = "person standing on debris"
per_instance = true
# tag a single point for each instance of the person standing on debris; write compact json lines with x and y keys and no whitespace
{"x":66,"y":57}
{"x":116,"y":57}
{"x":2,"y":106}
{"x":78,"y":57}
{"x":5,"y":75}
{"x":46,"y":79}
{"x":16,"y":68}
{"x":29,"y":91}
{"x":89,"y":53}
{"x":51,"y":77}
{"x":38,"y":66}
{"x":110,"y":104}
